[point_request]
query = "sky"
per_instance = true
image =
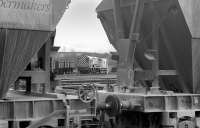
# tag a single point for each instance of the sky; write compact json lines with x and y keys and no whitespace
{"x":80,"y":30}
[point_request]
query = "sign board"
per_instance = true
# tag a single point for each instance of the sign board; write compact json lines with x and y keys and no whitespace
{"x":29,"y":14}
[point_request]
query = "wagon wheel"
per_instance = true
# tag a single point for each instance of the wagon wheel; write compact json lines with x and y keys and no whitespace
{"x":87,"y":93}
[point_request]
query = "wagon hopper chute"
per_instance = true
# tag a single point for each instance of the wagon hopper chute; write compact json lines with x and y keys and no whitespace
{"x":158,"y":71}
{"x":157,"y":41}
{"x":25,"y":25}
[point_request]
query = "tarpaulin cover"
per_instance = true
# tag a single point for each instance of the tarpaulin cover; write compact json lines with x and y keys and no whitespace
{"x":25,"y":26}
{"x":179,"y":35}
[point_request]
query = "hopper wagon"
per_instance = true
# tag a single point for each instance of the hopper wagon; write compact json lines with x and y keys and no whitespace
{"x":158,"y":42}
{"x":26,"y":27}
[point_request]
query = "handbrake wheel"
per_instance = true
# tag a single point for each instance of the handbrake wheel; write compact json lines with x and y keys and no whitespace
{"x":87,"y":93}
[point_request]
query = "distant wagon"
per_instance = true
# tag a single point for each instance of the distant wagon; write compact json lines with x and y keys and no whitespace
{"x":89,"y":64}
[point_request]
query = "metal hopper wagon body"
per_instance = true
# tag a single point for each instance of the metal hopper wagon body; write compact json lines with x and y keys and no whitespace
{"x":158,"y":71}
{"x":27,"y":29}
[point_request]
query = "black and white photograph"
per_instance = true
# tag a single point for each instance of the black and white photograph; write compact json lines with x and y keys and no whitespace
{"x":99,"y":63}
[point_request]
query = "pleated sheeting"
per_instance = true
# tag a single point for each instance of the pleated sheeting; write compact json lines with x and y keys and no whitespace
{"x":17,"y":47}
